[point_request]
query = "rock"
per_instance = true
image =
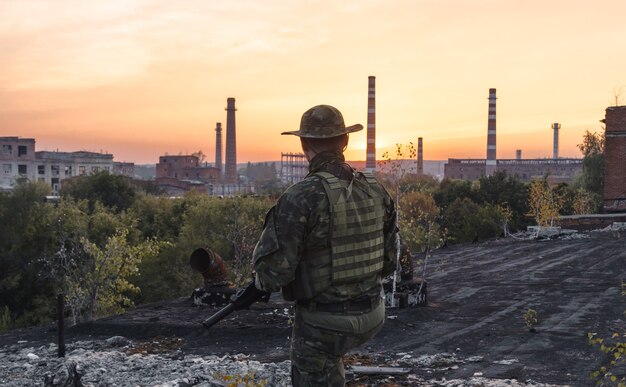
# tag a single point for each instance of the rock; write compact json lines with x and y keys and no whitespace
{"x":67,"y":375}
{"x":32,"y":356}
{"x":117,"y":341}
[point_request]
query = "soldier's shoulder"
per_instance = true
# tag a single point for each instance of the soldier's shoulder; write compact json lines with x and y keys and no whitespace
{"x":312,"y":185}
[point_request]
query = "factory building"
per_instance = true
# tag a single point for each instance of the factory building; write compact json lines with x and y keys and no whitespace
{"x":557,"y":170}
{"x":179,"y":174}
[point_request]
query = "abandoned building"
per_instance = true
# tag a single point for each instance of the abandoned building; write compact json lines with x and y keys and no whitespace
{"x":556,"y":169}
{"x":19,"y":159}
{"x":178,"y":174}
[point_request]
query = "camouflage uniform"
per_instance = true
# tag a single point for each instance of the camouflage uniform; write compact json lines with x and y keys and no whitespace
{"x":331,"y":320}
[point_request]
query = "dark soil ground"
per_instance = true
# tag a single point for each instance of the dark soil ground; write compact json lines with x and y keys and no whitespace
{"x":478,"y":295}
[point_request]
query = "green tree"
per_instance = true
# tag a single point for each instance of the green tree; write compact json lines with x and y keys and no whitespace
{"x":26,"y":235}
{"x":449,"y":190}
{"x":592,"y":177}
{"x":505,"y":190}
{"x":95,"y":279}
{"x":467,"y":221}
{"x":113,"y":191}
{"x":418,"y":222}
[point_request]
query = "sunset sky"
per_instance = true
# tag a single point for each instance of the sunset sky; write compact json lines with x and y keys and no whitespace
{"x":142,"y":78}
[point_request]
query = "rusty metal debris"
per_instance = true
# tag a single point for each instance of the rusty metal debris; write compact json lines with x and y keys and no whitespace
{"x":211,"y":266}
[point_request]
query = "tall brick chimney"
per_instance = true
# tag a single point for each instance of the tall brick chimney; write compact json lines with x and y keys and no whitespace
{"x":491,"y":135}
{"x":420,"y":157}
{"x":556,"y":126}
{"x":218,"y":146}
{"x":230,"y":175}
{"x":370,"y":163}
{"x":615,"y":160}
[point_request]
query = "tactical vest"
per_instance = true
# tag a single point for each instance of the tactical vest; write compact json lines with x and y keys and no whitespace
{"x":356,"y":239}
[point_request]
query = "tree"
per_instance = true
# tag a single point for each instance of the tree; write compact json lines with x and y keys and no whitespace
{"x":113,"y":191}
{"x":450,"y":190}
{"x":592,"y":178}
{"x":467,"y":221}
{"x":25,"y":235}
{"x":418,"y":221}
{"x":95,"y":280}
{"x":507,"y":191}
{"x":544,"y":203}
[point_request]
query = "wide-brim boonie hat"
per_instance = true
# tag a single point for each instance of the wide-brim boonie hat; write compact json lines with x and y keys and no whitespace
{"x":323,"y":121}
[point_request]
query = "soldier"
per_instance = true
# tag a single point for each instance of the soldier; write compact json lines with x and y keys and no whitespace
{"x":327,"y":244}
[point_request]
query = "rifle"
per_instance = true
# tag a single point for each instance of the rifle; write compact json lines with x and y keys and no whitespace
{"x":242,"y":299}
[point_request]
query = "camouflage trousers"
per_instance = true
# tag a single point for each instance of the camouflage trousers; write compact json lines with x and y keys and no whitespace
{"x":320,"y":339}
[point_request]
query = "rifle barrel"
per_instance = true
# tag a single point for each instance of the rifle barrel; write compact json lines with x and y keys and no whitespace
{"x":220,"y":314}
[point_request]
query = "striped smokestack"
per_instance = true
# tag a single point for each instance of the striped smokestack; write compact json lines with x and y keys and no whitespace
{"x":218,"y":146}
{"x":556,"y":126}
{"x":420,"y":157}
{"x":491,"y":135}
{"x":370,"y":163}
{"x":230,"y":175}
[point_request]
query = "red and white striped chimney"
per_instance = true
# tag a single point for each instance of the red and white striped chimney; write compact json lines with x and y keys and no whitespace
{"x":420,"y":157}
{"x":370,"y":163}
{"x":230,"y":175}
{"x":491,"y":163}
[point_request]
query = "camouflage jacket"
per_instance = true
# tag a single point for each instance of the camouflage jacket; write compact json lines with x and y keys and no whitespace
{"x":300,"y":220}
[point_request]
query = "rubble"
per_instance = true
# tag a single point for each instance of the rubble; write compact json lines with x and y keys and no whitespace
{"x":106,"y":363}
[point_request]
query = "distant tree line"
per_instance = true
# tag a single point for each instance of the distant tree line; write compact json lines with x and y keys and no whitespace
{"x":108,"y":243}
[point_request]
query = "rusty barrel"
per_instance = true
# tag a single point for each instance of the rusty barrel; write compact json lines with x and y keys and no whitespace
{"x":210,"y":265}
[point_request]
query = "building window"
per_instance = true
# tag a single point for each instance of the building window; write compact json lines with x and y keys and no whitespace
{"x":41,"y":169}
{"x":7,"y":169}
{"x":21,"y":150}
{"x":54,"y":169}
{"x":81,"y":169}
{"x":22,"y":169}
{"x":95,"y":169}
{"x":68,"y":170}
{"x":7,"y":149}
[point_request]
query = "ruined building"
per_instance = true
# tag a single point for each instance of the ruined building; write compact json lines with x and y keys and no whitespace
{"x":182,"y":173}
{"x":556,"y":169}
{"x":615,"y":160}
{"x":18,"y":159}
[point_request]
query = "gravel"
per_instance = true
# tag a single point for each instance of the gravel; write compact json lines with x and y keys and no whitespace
{"x":118,"y":361}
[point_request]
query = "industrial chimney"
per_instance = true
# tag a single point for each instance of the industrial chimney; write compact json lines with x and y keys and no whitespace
{"x":230,"y":175}
{"x":218,"y":146}
{"x":420,"y":157}
{"x":491,"y":135}
{"x":518,"y":154}
{"x":556,"y":126}
{"x":370,"y":163}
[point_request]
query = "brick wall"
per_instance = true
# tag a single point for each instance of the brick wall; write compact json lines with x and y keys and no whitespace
{"x":615,"y":160}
